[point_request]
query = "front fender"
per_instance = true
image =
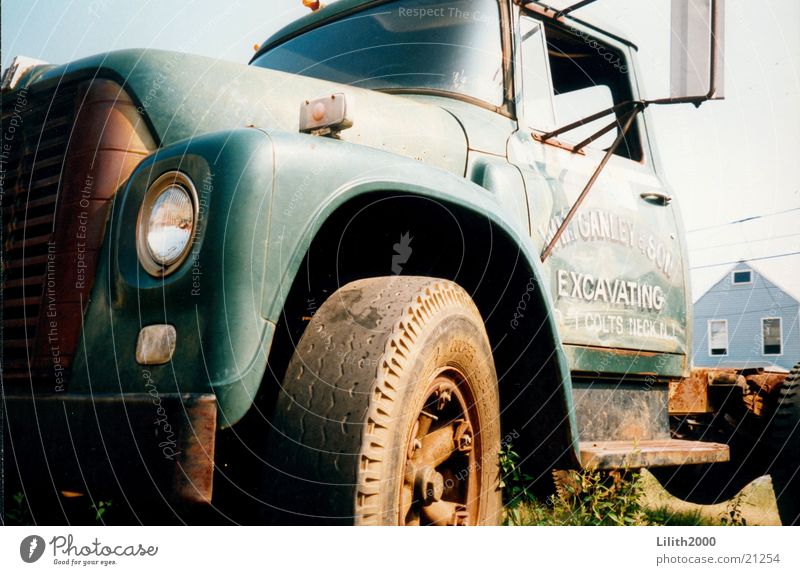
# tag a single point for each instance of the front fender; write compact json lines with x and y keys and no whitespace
{"x":263,"y":197}
{"x":213,"y":300}
{"x":316,"y":176}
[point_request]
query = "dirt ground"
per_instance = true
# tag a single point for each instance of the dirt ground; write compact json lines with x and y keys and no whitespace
{"x":758,"y":505}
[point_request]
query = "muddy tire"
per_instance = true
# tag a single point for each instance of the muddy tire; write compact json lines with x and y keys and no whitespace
{"x":785,"y":447}
{"x":389,"y":411}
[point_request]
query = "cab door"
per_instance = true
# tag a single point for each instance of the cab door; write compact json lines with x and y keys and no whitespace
{"x":616,"y":274}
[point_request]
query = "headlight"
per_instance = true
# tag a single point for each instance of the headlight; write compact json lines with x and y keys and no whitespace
{"x":167,"y":223}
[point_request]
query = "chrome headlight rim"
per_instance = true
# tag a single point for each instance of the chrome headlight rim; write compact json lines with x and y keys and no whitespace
{"x":156,"y":189}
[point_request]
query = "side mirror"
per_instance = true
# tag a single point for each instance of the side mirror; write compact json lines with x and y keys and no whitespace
{"x":697,"y":50}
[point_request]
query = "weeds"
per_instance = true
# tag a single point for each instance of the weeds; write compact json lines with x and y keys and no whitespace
{"x":594,"y":498}
{"x":516,"y":487}
{"x":514,"y":482}
{"x":20,"y":512}
{"x":582,"y":498}
{"x":100,"y":509}
{"x":666,"y":516}
{"x":590,"y":497}
{"x":733,"y":513}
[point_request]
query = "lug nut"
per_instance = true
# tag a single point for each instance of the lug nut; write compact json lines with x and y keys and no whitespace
{"x":429,"y":485}
{"x":443,"y":395}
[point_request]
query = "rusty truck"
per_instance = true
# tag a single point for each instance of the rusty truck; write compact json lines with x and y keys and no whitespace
{"x":332,"y":285}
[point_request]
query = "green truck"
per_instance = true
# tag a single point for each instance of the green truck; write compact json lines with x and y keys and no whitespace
{"x":332,"y":285}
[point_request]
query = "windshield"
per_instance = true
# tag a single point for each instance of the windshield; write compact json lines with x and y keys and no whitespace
{"x":409,"y":44}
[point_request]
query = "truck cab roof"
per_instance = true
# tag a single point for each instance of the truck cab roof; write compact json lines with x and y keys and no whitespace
{"x":341,"y":8}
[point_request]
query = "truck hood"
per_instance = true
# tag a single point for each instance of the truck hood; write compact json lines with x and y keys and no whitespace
{"x":184,"y":96}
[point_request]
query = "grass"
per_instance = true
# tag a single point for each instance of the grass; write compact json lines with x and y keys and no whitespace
{"x":80,"y":511}
{"x":18,"y":512}
{"x":667,"y":516}
{"x":598,"y":498}
{"x":606,"y":499}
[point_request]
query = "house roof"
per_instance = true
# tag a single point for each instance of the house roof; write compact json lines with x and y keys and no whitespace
{"x":790,"y":290}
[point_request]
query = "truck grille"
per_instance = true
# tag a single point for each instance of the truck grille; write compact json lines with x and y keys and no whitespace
{"x":71,"y":148}
{"x":39,"y":126}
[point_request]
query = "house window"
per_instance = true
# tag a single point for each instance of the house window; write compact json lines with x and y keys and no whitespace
{"x":771,"y":335}
{"x":742,"y":277}
{"x":718,"y":337}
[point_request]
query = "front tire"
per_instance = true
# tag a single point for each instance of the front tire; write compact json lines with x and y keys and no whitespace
{"x":389,"y":411}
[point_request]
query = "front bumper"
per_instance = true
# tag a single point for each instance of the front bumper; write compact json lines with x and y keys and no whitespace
{"x":135,"y":445}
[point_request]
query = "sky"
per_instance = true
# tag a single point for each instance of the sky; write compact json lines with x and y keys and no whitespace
{"x":725,"y":161}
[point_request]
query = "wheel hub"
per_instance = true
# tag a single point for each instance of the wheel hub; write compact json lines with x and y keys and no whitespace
{"x":428,"y":485}
{"x":441,"y":481}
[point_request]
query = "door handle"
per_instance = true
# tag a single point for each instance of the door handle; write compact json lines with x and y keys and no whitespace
{"x":654,"y":197}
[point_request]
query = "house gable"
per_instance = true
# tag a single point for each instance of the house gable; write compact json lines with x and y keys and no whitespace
{"x":745,"y":305}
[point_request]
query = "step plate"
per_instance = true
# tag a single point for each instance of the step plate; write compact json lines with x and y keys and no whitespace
{"x":650,"y":453}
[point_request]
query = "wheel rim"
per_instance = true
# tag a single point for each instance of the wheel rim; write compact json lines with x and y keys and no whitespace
{"x":441,"y":478}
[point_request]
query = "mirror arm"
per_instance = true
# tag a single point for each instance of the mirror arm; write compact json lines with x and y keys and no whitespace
{"x":580,"y":145}
{"x":628,"y":122}
{"x":592,"y":118}
{"x":642,"y":104}
{"x":696,"y":100}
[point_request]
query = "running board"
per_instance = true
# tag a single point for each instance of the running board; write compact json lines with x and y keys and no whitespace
{"x":650,"y":453}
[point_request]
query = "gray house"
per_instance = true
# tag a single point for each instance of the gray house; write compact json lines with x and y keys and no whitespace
{"x":745,"y":320}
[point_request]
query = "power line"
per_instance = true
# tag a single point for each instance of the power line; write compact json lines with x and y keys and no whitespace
{"x":743,"y":220}
{"x":744,"y":261}
{"x":743,"y":242}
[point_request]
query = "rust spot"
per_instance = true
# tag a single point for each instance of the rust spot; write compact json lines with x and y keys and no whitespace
{"x":624,"y":352}
{"x":194,"y":472}
{"x":689,"y":395}
{"x":90,"y":141}
{"x":557,"y":143}
{"x":544,"y":11}
{"x":651,"y":453}
{"x":766,"y":382}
